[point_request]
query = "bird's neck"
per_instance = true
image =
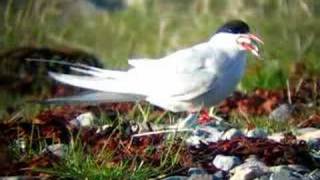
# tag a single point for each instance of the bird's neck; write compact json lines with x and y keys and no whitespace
{"x":225,"y":58}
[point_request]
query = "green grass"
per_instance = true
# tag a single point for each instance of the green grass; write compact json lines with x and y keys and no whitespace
{"x":80,"y":165}
{"x":271,"y":125}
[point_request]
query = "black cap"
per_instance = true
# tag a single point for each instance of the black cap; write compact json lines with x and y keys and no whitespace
{"x":234,"y":27}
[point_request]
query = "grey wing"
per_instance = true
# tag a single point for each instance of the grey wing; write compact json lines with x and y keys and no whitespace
{"x":180,"y":76}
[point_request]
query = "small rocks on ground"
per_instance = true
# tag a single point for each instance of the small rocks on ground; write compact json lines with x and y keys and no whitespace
{"x":196,"y":171}
{"x":257,"y":133}
{"x":176,"y":178}
{"x":202,"y":177}
{"x":231,"y":133}
{"x":314,"y":175}
{"x":308,"y":134}
{"x":282,"y":113}
{"x":276,"y":137}
{"x":59,"y":150}
{"x":83,"y":120}
{"x":285,"y":173}
{"x":252,"y":168}
{"x":219,"y":175}
{"x":204,"y":134}
{"x":226,"y":163}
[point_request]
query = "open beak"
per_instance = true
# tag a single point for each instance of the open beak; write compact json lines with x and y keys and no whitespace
{"x":250,"y":42}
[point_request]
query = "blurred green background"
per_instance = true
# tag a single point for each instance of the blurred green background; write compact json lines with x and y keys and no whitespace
{"x":115,"y":30}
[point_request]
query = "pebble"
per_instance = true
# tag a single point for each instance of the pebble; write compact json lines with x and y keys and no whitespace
{"x":308,"y":134}
{"x":226,"y":163}
{"x":299,"y":168}
{"x":314,"y":175}
{"x":276,"y":137}
{"x":196,"y":171}
{"x":219,"y":175}
{"x":177,"y":178}
{"x":231,"y":133}
{"x":201,"y":177}
{"x":83,"y":120}
{"x":282,"y":113}
{"x":103,"y":128}
{"x":250,"y":169}
{"x":59,"y":150}
{"x":204,"y":134}
{"x":257,"y":133}
{"x":194,"y":140}
{"x":208,"y":131}
{"x":285,"y":173}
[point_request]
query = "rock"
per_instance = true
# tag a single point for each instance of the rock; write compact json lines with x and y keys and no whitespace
{"x":226,"y":163}
{"x":308,"y":134}
{"x":276,"y":137}
{"x":264,"y":177}
{"x":204,"y":134}
{"x":281,"y":113}
{"x":194,"y":140}
{"x":214,"y":137}
{"x":59,"y":150}
{"x":21,"y":143}
{"x":285,"y":173}
{"x":231,"y":133}
{"x":314,"y":175}
{"x":257,"y":133}
{"x":176,"y":178}
{"x":201,"y":176}
{"x":207,"y":131}
{"x":83,"y":120}
{"x":252,"y":168}
{"x":299,"y":168}
{"x":19,"y":177}
{"x":103,"y":129}
{"x":219,"y":175}
{"x":196,"y":171}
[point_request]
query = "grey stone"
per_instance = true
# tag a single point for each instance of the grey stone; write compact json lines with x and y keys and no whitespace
{"x":103,"y":128}
{"x":231,"y":133}
{"x":314,"y":175}
{"x":276,"y":137}
{"x":83,"y":120}
{"x":204,"y":134}
{"x":194,"y":140}
{"x":252,"y":168}
{"x":308,"y":134}
{"x":59,"y":150}
{"x":21,"y":143}
{"x":19,"y":177}
{"x":257,"y":133}
{"x":263,"y":177}
{"x":282,"y":113}
{"x":226,"y":163}
{"x":201,"y":176}
{"x":207,"y":131}
{"x":285,"y":173}
{"x":177,"y":178}
{"x":195,"y":170}
{"x":219,"y":175}
{"x":299,"y":168}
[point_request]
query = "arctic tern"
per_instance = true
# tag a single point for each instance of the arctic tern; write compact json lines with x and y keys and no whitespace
{"x":186,"y":80}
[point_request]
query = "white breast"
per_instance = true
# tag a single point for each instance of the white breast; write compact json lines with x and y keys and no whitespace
{"x":226,"y":82}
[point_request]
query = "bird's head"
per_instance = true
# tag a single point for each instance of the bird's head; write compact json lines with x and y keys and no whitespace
{"x":235,"y":35}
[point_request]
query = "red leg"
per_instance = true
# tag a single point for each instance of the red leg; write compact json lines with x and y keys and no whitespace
{"x":204,"y":117}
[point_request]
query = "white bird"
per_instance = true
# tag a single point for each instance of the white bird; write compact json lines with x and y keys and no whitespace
{"x":186,"y":80}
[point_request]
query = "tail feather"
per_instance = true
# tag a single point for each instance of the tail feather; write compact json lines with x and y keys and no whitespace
{"x":97,"y":72}
{"x":94,"y":98}
{"x":94,"y":83}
